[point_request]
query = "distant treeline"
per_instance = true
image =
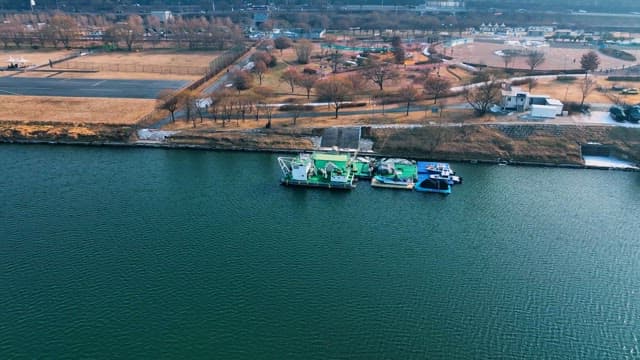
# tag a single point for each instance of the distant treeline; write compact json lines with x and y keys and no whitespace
{"x":226,"y":5}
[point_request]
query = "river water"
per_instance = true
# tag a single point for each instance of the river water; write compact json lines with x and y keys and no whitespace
{"x":150,"y":253}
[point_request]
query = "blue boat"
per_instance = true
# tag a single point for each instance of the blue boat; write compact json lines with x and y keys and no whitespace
{"x":438,"y":170}
{"x":427,"y":183}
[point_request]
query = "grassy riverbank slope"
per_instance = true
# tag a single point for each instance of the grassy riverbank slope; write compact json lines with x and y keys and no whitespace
{"x":525,"y":143}
{"x":536,"y":143}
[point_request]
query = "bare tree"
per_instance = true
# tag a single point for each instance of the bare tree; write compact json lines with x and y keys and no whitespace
{"x":586,"y":87}
{"x":335,"y":91}
{"x":168,"y":100}
{"x":241,"y":80}
{"x":535,"y":58}
{"x":201,"y":108}
{"x":261,"y":94}
{"x":227,"y":105}
{"x":335,"y":58}
{"x":268,"y":111}
{"x":379,"y":73}
{"x":5,"y":34}
{"x":507,"y":59}
{"x":408,"y":94}
{"x":307,"y":81}
{"x":263,"y":56}
{"x":303,"y":51}
{"x":290,"y":77}
{"x":134,"y":31}
{"x":398,"y":50}
{"x":215,"y":106}
{"x":63,"y":28}
{"x":282,"y":43}
{"x":244,"y":105}
{"x":260,"y":69}
{"x":296,"y":110}
{"x":359,"y":83}
{"x":188,"y":99}
{"x":482,"y":97}
{"x":436,"y":86}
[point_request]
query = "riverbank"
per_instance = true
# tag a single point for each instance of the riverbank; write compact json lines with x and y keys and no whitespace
{"x":522,"y":144}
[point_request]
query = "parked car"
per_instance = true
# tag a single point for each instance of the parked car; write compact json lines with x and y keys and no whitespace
{"x":633,"y":114}
{"x":630,"y":91}
{"x":617,"y":113}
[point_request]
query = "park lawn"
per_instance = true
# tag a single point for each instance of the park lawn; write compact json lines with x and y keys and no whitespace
{"x":75,"y":110}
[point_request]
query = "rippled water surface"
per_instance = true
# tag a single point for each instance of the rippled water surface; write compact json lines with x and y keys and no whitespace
{"x":144,"y":253}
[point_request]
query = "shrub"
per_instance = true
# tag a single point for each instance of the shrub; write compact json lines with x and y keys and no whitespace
{"x":519,"y":82}
{"x":565,"y":78}
{"x":353,"y":104}
{"x":294,"y":107}
{"x":574,"y":107}
{"x":623,"y":78}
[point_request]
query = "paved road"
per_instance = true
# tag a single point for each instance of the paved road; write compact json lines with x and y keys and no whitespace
{"x":141,"y":89}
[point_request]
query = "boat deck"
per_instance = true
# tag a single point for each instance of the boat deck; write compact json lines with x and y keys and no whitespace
{"x":362,"y":170}
{"x":424,"y":165}
{"x":406,"y":171}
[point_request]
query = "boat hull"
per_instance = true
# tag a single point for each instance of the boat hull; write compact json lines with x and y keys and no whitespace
{"x":313,"y":184}
{"x":428,"y":184}
{"x":392,"y":184}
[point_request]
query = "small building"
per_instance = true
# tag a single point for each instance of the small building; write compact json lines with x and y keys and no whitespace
{"x":542,"y":106}
{"x":260,"y":15}
{"x":163,"y":16}
{"x":539,"y":31}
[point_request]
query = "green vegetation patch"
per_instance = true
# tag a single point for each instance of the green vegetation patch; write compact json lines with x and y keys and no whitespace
{"x":623,"y":78}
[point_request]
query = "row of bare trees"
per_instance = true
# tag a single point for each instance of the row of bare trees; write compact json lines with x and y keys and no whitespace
{"x":63,"y":29}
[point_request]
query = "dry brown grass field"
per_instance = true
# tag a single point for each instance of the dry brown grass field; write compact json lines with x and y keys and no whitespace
{"x":122,"y":75}
{"x":75,"y":110}
{"x":152,"y":57}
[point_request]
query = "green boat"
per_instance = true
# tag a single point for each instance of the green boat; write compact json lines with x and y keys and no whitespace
{"x":364,"y":167}
{"x":319,"y":169}
{"x":395,"y":174}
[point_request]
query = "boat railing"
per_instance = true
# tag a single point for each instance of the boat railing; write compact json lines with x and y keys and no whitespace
{"x":285,"y":164}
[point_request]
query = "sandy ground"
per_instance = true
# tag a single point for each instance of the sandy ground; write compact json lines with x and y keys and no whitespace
{"x":556,"y":58}
{"x":570,"y":91}
{"x":81,"y":110}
